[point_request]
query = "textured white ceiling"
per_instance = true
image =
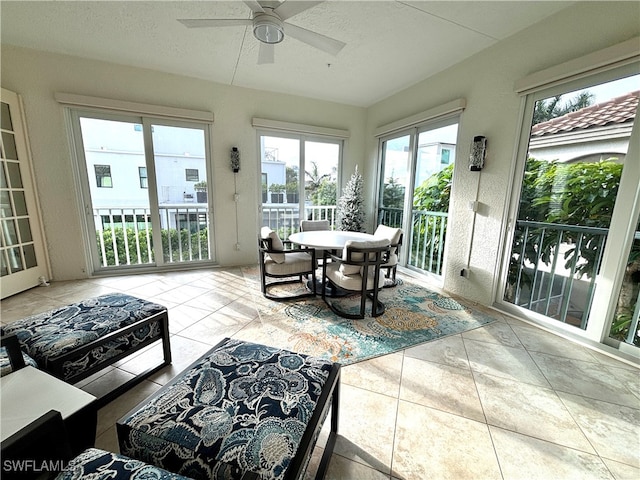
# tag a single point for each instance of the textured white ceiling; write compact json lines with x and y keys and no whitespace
{"x":390,"y":44}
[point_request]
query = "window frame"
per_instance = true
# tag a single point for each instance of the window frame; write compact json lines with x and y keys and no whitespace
{"x":100,"y":178}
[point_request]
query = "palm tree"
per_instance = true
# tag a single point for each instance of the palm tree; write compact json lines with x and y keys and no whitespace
{"x":314,"y":179}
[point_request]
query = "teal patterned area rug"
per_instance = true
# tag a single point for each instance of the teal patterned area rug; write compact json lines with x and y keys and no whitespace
{"x":413,"y":315}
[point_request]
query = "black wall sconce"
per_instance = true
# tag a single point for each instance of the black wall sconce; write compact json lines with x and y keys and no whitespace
{"x":235,"y":160}
{"x":478,"y":152}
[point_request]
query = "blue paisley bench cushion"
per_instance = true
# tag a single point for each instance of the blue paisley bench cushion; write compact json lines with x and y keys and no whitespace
{"x":97,"y":464}
{"x":242,"y":407}
{"x":52,"y":338}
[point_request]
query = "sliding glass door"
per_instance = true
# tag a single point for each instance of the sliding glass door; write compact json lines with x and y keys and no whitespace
{"x":299,"y":180}
{"x":145,"y":187}
{"x":415,"y":187}
{"x":572,"y":204}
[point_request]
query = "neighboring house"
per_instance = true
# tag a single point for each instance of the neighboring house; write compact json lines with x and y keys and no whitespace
{"x":595,"y":133}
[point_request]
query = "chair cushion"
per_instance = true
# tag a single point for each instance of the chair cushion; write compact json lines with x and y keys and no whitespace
{"x":100,"y":465}
{"x":347,"y":269}
{"x":351,"y":282}
{"x":5,"y":365}
{"x":295,"y":263}
{"x":314,"y":225}
{"x":276,"y":244}
{"x":393,"y":235}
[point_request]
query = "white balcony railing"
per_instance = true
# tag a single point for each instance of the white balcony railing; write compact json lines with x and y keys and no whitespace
{"x":124,"y":234}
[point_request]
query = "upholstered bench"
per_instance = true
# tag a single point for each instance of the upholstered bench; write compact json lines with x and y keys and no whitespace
{"x":97,"y":464}
{"x":242,"y":409}
{"x":78,"y":340}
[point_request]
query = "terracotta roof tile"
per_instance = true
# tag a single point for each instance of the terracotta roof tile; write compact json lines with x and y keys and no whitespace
{"x":617,"y":110}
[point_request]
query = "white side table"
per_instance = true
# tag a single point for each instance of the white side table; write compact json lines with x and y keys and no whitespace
{"x":29,"y":393}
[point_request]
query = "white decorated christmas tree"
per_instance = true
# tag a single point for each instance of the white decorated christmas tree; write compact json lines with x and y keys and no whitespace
{"x":350,"y":211}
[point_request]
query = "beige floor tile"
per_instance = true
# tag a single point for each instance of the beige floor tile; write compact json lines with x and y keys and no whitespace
{"x":498,"y":332}
{"x":537,"y":340}
{"x":622,"y":471}
{"x":434,"y":444}
{"x":442,"y":387}
{"x":107,"y":382}
{"x":381,"y":375}
{"x":366,"y":427}
{"x":446,"y":351}
{"x":529,"y":410}
{"x":183,"y":316}
{"x":212,"y":300}
{"x":184,"y":352}
{"x":589,"y":379}
{"x":506,"y":362}
{"x":212,"y":329}
{"x":182,"y":294}
{"x":613,"y":429}
{"x":111,"y":413}
{"x":108,"y":440}
{"x":521,"y":456}
{"x":341,"y":468}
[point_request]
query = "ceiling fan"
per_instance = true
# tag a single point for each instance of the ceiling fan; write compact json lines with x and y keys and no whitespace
{"x":269,"y":27}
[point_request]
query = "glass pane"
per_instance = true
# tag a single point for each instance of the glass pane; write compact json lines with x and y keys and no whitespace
{"x":14,"y":174}
{"x":280,"y":163}
{"x":3,"y":177}
{"x":5,"y":117}
{"x":29,"y":256}
{"x":569,"y":190}
{"x":5,"y":204}
{"x":9,"y":143}
{"x":25,"y":230}
{"x":432,"y":189}
{"x":395,"y":180}
{"x":15,"y":261}
{"x":626,"y":322}
{"x":4,"y":269}
{"x":321,"y":181}
{"x":19,"y":203}
{"x":184,"y":205}
{"x":9,"y":232}
{"x":120,"y":147}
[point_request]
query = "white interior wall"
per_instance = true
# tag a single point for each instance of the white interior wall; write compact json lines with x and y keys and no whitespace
{"x":37,"y":76}
{"x":494,"y":110}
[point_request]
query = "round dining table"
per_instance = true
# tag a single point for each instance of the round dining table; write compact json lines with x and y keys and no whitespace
{"x":328,"y":239}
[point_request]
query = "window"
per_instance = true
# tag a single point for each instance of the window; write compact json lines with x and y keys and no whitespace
{"x":424,"y":176}
{"x":445,"y":156}
{"x":264,"y":188}
{"x":103,"y":176}
{"x":576,"y":201}
{"x":192,"y":175}
{"x":299,"y":179}
{"x":142,"y":173}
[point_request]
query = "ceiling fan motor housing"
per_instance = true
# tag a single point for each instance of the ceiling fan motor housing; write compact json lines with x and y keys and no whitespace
{"x":267,"y":27}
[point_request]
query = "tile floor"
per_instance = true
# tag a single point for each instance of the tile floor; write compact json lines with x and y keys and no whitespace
{"x":506,"y":401}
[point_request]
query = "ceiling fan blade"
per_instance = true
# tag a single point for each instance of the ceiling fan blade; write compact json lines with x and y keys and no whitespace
{"x":317,"y":40}
{"x":290,"y":8}
{"x":214,"y":22}
{"x":254,"y":6}
{"x":266,"y":53}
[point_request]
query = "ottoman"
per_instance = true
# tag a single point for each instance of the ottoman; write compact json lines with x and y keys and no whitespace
{"x":98,"y":464}
{"x":78,"y":340}
{"x":242,"y":410}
